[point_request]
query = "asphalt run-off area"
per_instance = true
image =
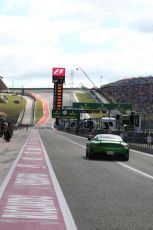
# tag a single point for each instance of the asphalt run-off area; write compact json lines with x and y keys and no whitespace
{"x":30,"y":196}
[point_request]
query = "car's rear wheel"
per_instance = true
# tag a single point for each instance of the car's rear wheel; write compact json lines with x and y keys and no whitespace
{"x":90,"y":156}
{"x":87,"y":155}
{"x":126,"y":157}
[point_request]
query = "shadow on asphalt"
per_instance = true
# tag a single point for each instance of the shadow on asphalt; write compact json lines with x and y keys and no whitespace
{"x":105,"y":158}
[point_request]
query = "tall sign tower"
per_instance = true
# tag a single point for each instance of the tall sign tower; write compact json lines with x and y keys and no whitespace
{"x":58,"y":78}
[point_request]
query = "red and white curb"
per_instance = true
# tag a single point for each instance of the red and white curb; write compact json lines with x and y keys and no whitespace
{"x":30,"y":196}
{"x":46,"y":111}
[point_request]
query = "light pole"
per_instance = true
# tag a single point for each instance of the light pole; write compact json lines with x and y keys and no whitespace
{"x":101,"y":80}
{"x":71,"y":92}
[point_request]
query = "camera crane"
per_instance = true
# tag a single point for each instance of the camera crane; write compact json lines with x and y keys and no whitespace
{"x":94,"y":86}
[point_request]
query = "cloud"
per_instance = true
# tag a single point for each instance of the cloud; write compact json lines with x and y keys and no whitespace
{"x":110,"y":38}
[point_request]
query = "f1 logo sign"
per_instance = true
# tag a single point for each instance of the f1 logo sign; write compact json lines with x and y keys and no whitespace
{"x":58,"y":72}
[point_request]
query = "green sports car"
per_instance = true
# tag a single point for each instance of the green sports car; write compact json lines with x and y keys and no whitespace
{"x":107,"y":145}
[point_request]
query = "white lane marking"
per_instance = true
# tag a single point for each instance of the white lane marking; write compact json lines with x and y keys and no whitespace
{"x":73,"y":142}
{"x":32,"y":158}
{"x":71,"y":134}
{"x":30,"y":166}
{"x":135,"y":170}
{"x":69,"y":221}
{"x":31,"y":179}
{"x":32,"y":153}
{"x":142,"y":153}
{"x":124,"y":165}
{"x":34,"y":148}
{"x":30,"y":207}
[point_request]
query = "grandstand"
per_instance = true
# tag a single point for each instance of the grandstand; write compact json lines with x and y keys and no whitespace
{"x":136,"y":91}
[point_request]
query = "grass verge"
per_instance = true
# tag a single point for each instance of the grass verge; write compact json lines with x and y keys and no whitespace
{"x":13,"y":107}
{"x":86,"y":98}
{"x":38,"y":110}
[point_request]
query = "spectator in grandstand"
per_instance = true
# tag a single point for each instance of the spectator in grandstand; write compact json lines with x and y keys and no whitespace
{"x":135,"y":91}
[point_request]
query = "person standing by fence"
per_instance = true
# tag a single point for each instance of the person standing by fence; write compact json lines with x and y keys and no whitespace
{"x":7,"y":132}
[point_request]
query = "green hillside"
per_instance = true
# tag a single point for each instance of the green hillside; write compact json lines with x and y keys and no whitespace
{"x":13,"y":107}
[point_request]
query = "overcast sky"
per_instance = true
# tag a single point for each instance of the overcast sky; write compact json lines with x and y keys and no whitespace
{"x":110,"y":40}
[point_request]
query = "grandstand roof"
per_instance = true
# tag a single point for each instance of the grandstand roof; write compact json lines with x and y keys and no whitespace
{"x":2,"y":85}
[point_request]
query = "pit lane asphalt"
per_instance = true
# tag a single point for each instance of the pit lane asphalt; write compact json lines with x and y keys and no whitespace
{"x":102,"y":194}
